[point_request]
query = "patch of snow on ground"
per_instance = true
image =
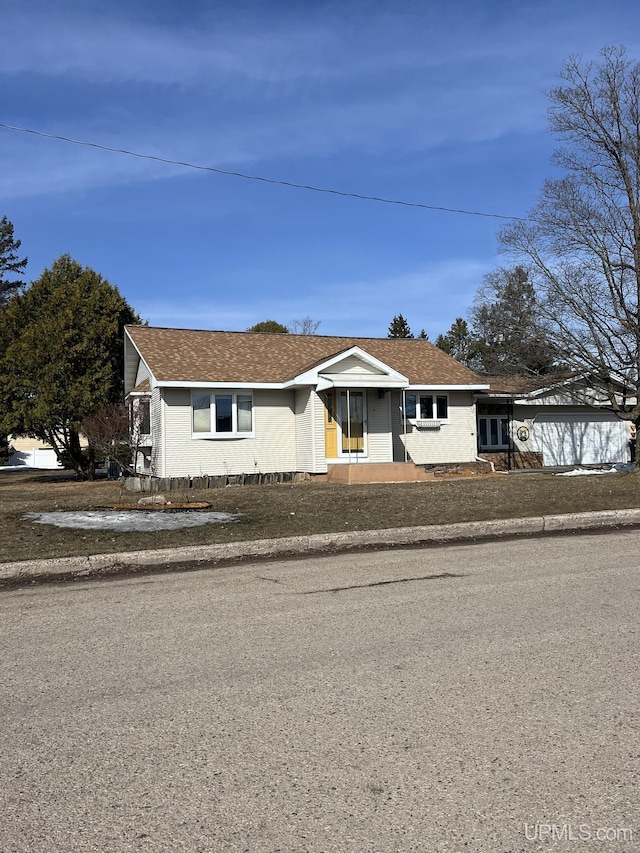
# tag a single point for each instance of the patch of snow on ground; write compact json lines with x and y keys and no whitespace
{"x":615,"y":469}
{"x":131,"y":521}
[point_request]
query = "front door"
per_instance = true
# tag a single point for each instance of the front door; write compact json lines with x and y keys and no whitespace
{"x":352,"y":422}
{"x":330,"y":425}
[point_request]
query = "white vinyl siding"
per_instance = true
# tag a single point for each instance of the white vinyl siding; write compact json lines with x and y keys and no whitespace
{"x":272,"y":447}
{"x":157,"y":438}
{"x":142,"y":373}
{"x":354,"y":366}
{"x":454,"y":441}
{"x":379,"y":427}
{"x":309,"y":432}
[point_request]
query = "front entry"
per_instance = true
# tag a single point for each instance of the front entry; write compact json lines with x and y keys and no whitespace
{"x":352,"y":422}
{"x":344,"y":424}
{"x":330,"y":425}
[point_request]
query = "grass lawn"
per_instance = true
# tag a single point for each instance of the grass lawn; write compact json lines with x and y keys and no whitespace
{"x":292,"y":510}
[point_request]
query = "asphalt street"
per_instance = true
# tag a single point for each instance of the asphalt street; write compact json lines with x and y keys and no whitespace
{"x":477,"y":697}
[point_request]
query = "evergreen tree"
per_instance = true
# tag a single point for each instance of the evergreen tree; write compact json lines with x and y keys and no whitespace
{"x":10,"y":261}
{"x":5,"y":449}
{"x":399,"y":328}
{"x":460,"y":344}
{"x":61,"y":358}
{"x":510,"y":334}
{"x":269,"y":327}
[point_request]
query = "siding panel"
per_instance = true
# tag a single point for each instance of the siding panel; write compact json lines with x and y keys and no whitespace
{"x":379,"y":427}
{"x":452,"y":442}
{"x":142,"y":373}
{"x":273,"y":448}
{"x":157,"y":406}
{"x":304,"y":429}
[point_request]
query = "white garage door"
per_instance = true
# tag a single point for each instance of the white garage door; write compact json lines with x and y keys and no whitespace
{"x":584,"y":439}
{"x":36,"y":458}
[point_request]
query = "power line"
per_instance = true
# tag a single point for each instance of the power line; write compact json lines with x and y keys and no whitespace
{"x":264,"y":180}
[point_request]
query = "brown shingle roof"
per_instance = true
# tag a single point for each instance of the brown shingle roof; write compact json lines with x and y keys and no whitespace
{"x":525,"y":384}
{"x":142,"y":387}
{"x":188,"y":355}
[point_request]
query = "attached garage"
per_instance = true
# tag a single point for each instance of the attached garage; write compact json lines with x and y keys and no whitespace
{"x":585,"y":438}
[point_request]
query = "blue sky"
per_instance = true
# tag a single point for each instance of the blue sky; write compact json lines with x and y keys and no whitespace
{"x":440,"y":103}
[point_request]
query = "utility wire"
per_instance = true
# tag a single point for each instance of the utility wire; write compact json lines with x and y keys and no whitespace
{"x":264,"y":180}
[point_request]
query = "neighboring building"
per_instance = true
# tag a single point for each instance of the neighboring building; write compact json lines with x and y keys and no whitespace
{"x":559,"y":420}
{"x":243,"y":403}
{"x":32,"y":453}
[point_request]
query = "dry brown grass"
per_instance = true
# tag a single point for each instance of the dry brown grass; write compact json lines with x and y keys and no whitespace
{"x":290,"y":510}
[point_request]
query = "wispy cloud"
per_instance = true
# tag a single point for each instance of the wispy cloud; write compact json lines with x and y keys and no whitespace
{"x":424,"y":297}
{"x":238,"y":91}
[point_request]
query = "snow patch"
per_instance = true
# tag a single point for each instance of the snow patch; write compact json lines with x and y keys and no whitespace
{"x":131,"y":521}
{"x":614,"y":469}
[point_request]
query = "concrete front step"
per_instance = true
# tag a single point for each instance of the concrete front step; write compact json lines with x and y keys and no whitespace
{"x":377,"y":472}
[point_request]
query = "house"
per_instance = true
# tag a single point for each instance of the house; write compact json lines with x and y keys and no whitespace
{"x":223,"y":403}
{"x":557,"y":420}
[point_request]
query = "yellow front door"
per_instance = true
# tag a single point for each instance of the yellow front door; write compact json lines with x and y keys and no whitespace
{"x":330,"y":425}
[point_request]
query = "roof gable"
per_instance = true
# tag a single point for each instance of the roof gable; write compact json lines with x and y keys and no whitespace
{"x":352,"y":367}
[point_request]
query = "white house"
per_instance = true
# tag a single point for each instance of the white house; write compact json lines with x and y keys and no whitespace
{"x":241,"y":403}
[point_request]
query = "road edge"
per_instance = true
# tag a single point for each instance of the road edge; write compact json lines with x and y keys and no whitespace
{"x":59,"y":568}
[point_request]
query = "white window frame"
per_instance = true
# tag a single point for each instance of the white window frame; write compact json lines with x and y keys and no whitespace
{"x":222,"y":435}
{"x":499,"y":445}
{"x":434,"y":406}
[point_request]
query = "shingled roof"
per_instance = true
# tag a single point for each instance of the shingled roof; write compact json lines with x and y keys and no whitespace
{"x":522,"y":385}
{"x":188,"y":355}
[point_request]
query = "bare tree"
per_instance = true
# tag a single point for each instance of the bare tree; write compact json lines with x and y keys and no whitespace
{"x":304,"y":326}
{"x":115,"y":432}
{"x":581,"y":243}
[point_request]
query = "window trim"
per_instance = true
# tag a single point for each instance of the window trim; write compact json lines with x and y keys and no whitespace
{"x":144,"y":415}
{"x":212,"y":393}
{"x":435,"y":397}
{"x":487,"y":419}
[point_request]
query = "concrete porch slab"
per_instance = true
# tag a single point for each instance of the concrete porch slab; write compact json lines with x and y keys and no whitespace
{"x":378,"y":472}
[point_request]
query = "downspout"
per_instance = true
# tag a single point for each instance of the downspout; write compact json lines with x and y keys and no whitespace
{"x":404,"y":424}
{"x":510,"y":433}
{"x":313,"y":431}
{"x":349,"y":423}
{"x":489,"y":462}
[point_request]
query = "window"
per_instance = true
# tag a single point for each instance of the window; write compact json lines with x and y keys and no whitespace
{"x":494,"y":432}
{"x":140,"y":417}
{"x":144,"y":413}
{"x":226,"y":414}
{"x":427,"y":407}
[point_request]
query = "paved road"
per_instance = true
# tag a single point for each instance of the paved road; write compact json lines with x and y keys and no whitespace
{"x":469,"y":698}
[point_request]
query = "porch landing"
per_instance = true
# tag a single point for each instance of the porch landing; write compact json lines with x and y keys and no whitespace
{"x":377,"y":472}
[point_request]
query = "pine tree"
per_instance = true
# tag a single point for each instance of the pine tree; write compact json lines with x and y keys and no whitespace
{"x":61,"y":358}
{"x":399,"y":328}
{"x":9,"y":261}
